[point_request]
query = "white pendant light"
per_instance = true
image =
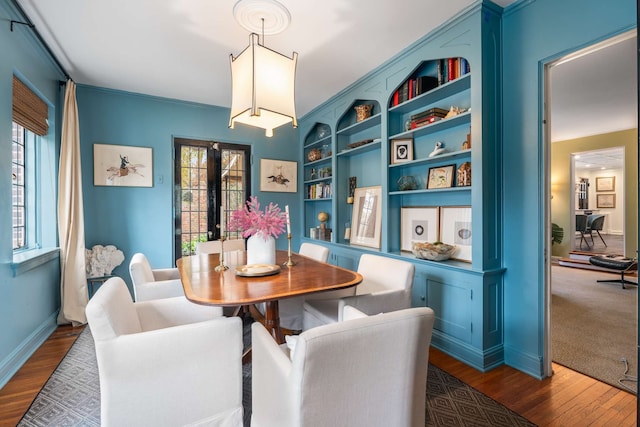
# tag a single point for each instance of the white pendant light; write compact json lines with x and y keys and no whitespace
{"x":262,"y":79}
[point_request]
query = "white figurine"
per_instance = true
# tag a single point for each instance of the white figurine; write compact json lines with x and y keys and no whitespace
{"x":439,"y":149}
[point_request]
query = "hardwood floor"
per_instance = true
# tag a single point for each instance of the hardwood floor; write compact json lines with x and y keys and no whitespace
{"x":566,"y":399}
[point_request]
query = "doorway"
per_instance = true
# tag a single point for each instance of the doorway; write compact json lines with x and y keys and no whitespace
{"x":590,"y":104}
{"x":211,"y":179}
{"x":599,"y":179}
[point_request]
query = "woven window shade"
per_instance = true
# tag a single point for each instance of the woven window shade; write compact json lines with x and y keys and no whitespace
{"x":29,"y":111}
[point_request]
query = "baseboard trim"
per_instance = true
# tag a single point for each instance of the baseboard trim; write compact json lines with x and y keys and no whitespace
{"x":18,"y":357}
{"x":481,"y":360}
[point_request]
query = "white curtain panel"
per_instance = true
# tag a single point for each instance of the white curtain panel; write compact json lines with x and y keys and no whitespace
{"x":73,"y":281}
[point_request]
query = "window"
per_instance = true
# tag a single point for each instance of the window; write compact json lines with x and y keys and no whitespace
{"x":18,"y":187}
{"x":32,"y":172}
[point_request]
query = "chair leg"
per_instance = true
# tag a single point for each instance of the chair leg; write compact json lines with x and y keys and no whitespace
{"x":582,"y":237}
{"x":622,"y":281}
{"x":598,"y":231}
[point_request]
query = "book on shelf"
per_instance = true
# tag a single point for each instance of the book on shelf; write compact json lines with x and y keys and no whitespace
{"x":447,"y":69}
{"x":321,"y":190}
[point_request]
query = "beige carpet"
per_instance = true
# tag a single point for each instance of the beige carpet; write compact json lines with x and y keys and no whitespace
{"x":593,"y":325}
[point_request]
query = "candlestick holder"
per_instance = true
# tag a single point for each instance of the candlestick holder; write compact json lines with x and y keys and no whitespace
{"x":222,"y":266}
{"x":289,"y":262}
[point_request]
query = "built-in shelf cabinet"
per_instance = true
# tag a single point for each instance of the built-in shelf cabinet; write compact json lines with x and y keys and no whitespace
{"x":409,"y":97}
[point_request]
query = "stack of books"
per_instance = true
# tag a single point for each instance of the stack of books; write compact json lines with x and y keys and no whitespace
{"x":427,"y":117}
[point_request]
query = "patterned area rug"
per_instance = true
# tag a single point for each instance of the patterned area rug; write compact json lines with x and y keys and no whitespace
{"x":71,"y":397}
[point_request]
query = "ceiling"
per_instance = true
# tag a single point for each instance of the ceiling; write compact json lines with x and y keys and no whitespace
{"x":180,"y":49}
{"x":594,"y":91}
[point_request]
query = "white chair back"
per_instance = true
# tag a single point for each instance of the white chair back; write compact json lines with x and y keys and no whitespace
{"x":332,"y":378}
{"x":317,"y":252}
{"x":214,"y":246}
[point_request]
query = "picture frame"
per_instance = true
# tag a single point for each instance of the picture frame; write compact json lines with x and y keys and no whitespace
{"x":419,"y":224}
{"x":605,"y":183}
{"x":401,"y":150}
{"x":456,"y":229}
{"x":366,"y":217}
{"x":122,"y":166}
{"x":441,"y":177}
{"x":278,"y":175}
{"x":606,"y":201}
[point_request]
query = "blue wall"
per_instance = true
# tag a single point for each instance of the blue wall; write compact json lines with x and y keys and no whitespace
{"x":30,"y":300}
{"x":535,"y":32}
{"x":140,"y":219}
{"x":137,"y":219}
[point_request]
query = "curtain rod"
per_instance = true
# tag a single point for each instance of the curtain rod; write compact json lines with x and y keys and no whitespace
{"x":37,"y":33}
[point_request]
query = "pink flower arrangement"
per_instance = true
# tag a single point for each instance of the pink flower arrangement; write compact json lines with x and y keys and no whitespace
{"x":251,"y":220}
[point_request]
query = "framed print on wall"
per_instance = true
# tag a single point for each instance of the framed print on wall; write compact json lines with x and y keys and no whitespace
{"x":455,"y":229}
{"x":366,"y":217}
{"x":605,"y":183}
{"x":122,"y":166}
{"x":401,"y":150}
{"x":606,"y":201}
{"x":419,"y":224}
{"x":441,"y":177}
{"x":278,"y":175}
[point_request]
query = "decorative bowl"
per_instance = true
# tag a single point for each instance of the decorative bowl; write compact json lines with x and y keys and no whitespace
{"x":432,"y":251}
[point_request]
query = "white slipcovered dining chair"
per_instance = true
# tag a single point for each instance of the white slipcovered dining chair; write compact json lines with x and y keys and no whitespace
{"x":312,"y":250}
{"x":215,"y":246}
{"x":290,"y":309}
{"x":165,"y":362}
{"x":368,"y":371}
{"x":386,"y":286}
{"x":149,"y":284}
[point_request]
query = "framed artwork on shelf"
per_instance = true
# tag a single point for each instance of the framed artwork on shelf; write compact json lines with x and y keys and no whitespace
{"x":401,"y":150}
{"x":455,"y":229}
{"x":441,"y":177}
{"x":278,"y":175}
{"x":122,"y":166}
{"x":419,"y":224}
{"x":606,"y":201}
{"x":367,"y":217}
{"x":605,"y":183}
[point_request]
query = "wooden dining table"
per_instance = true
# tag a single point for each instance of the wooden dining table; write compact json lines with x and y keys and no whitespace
{"x":204,"y":285}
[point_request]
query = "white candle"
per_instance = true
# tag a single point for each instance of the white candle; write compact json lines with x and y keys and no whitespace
{"x":221,"y":221}
{"x":286,"y":209}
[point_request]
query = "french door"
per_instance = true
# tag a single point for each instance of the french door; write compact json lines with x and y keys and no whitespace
{"x":211,"y":179}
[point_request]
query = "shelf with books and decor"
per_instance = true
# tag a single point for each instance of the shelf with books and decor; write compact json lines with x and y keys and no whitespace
{"x":434,"y":123}
{"x":358,"y":160}
{"x":317,"y":176}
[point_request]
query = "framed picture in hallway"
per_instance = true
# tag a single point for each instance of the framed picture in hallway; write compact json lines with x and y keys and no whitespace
{"x":605,"y":183}
{"x":606,"y":201}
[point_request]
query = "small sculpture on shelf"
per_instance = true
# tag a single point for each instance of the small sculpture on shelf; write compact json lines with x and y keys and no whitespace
{"x":407,"y":183}
{"x":438,"y":149}
{"x":464,"y":175}
{"x":363,"y":111}
{"x":352,"y":189}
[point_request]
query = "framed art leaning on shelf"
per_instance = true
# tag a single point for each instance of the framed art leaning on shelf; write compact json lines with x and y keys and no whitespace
{"x":456,"y":229}
{"x":367,"y":217}
{"x":441,"y":177}
{"x":401,"y":150}
{"x":418,"y":224}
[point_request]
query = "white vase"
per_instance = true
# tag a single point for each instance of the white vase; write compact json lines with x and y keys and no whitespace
{"x":261,"y":250}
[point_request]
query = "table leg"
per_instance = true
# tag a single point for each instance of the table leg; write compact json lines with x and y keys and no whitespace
{"x":272,"y":321}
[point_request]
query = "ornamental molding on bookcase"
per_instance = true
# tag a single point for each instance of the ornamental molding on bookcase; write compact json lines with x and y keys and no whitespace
{"x":456,"y":40}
